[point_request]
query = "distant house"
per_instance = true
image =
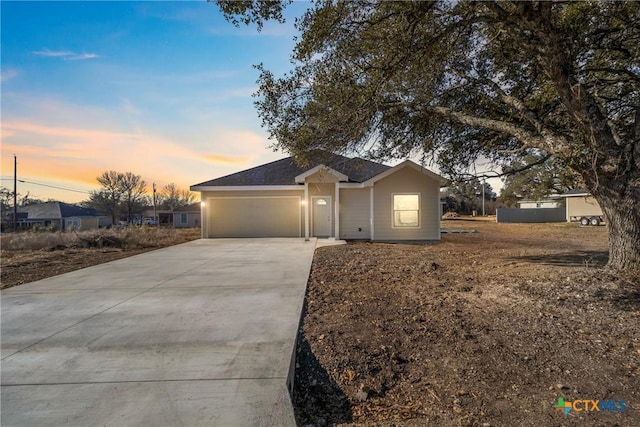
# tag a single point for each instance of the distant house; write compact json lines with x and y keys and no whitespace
{"x":333,"y":197}
{"x":62,"y":216}
{"x":540,"y":204}
{"x":187,"y":216}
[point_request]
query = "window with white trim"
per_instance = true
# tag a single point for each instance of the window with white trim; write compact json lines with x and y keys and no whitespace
{"x":406,"y":210}
{"x":183,"y":218}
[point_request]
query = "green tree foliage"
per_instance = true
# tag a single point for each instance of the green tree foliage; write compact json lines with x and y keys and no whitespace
{"x":465,"y":196}
{"x":459,"y":80}
{"x":538,"y":177}
{"x":252,"y":11}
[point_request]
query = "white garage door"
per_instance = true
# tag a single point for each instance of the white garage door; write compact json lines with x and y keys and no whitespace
{"x":254,"y":216}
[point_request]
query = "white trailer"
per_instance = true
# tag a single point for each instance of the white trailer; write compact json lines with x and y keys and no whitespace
{"x":582,"y":207}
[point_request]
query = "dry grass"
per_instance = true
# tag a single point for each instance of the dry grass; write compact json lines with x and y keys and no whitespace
{"x":30,"y":256}
{"x":128,"y":238}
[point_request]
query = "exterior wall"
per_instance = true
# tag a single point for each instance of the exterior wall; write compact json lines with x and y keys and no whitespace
{"x":88,"y":223}
{"x":209,"y":196}
{"x":544,"y":204}
{"x":405,"y":181}
{"x":104,"y":221}
{"x":355,"y":208}
{"x":32,"y":222}
{"x":193,"y":220}
{"x":530,"y":215}
{"x":73,"y":224}
{"x":582,"y":206}
{"x":321,"y":189}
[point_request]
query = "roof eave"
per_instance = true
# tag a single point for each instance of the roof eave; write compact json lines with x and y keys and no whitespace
{"x":564,"y":196}
{"x":202,"y":188}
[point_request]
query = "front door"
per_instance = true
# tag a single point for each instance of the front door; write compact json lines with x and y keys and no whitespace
{"x":321,"y":216}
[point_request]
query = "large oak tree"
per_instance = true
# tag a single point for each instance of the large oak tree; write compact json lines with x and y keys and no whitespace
{"x":459,"y":80}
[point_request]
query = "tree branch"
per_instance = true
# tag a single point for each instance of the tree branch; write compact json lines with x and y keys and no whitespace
{"x":557,"y":145}
{"x":514,"y":102}
{"x":617,"y":71}
{"x":511,"y":171}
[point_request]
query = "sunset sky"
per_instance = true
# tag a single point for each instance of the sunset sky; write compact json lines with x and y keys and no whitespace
{"x":161,"y":89}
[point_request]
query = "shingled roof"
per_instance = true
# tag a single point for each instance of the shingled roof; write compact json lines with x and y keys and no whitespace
{"x":55,"y":210}
{"x":284,"y":171}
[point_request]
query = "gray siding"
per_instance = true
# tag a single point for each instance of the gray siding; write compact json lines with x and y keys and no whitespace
{"x":406,"y":181}
{"x":355,"y":207}
{"x":193,"y":220}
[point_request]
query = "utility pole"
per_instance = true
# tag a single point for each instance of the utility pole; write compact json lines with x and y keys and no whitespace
{"x":483,"y":181}
{"x":155,"y":210}
{"x":15,"y":193}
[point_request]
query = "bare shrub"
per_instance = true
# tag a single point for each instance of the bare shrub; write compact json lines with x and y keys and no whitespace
{"x":152,"y":237}
{"x":100,"y":239}
{"x":33,"y":241}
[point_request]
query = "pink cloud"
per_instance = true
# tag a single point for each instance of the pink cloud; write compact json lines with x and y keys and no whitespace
{"x":221,"y":158}
{"x":8,"y":75}
{"x":62,"y":131}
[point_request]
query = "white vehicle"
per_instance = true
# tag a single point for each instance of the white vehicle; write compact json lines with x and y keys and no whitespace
{"x":582,"y":207}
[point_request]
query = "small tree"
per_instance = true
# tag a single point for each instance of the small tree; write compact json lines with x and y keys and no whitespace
{"x":26,"y":200}
{"x":6,"y":207}
{"x":171,"y":197}
{"x":465,"y":196}
{"x":120,"y":194}
{"x":109,"y":197}
{"x":133,"y":189}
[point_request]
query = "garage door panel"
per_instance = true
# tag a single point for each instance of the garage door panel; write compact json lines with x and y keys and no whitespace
{"x":254,"y":217}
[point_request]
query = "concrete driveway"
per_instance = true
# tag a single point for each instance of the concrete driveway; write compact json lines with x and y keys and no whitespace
{"x":196,"y":334}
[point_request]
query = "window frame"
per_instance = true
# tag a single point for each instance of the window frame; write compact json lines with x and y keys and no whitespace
{"x":184,"y":218}
{"x":394,"y":210}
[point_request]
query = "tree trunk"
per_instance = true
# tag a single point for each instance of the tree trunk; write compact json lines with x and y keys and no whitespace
{"x":620,"y":205}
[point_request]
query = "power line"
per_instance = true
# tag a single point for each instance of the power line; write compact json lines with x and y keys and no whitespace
{"x":24,"y":181}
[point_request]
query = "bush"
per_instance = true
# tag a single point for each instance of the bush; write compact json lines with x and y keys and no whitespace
{"x":39,"y":228}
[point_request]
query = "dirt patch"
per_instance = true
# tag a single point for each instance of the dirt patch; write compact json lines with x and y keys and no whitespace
{"x":486,"y":328}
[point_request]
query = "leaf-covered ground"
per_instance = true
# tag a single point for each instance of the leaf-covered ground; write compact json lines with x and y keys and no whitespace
{"x":486,"y":328}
